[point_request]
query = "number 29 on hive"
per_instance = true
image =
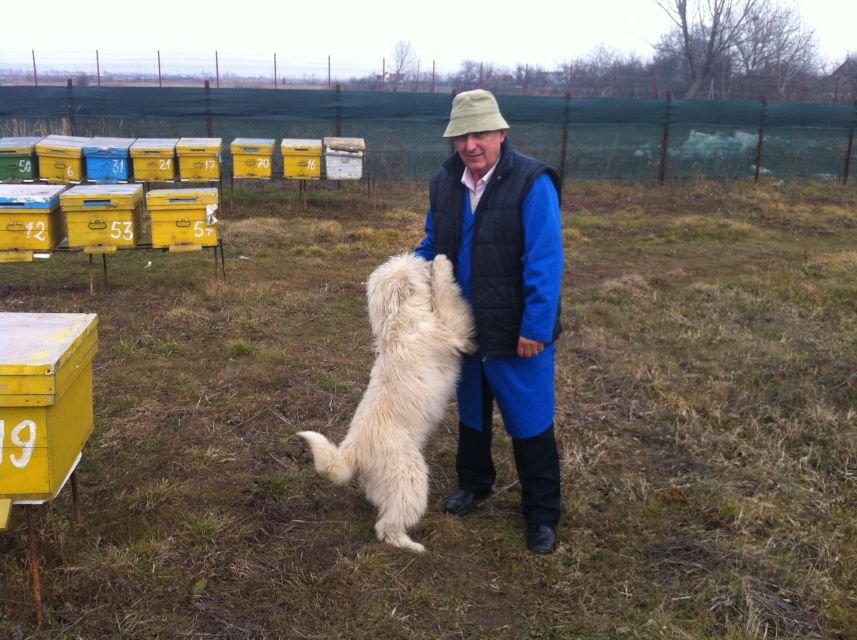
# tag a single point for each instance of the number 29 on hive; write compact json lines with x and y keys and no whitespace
{"x":22,"y":438}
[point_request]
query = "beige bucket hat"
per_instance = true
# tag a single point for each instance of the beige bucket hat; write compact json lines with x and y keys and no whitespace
{"x":474,"y":111}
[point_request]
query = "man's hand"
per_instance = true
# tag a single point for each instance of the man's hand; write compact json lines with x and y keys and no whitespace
{"x":528,"y":348}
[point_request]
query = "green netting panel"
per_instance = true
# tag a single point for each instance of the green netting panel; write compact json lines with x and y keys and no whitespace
{"x":712,"y":151}
{"x":606,"y":137}
{"x":625,"y":152}
{"x":708,"y":112}
{"x":810,"y":116}
{"x":804,"y":152}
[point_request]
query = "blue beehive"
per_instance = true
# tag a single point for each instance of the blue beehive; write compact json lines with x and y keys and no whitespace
{"x":108,"y":160}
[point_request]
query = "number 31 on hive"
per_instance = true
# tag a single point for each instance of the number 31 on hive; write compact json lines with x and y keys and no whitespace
{"x":20,"y":458}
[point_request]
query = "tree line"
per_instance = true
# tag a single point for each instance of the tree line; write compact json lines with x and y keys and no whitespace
{"x":715,"y":49}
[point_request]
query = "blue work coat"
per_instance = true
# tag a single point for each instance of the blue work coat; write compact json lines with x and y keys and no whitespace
{"x":523,"y":387}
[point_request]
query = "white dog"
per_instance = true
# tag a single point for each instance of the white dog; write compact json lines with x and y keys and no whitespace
{"x":421,"y":324}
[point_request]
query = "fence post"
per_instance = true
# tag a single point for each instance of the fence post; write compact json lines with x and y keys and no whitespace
{"x":98,"y":67}
{"x":328,"y":73}
{"x":160,"y":81}
{"x":564,"y":139}
{"x":209,"y":121}
{"x":35,"y":72}
{"x":665,"y":143}
{"x":850,"y":148}
{"x":72,"y":120}
{"x":275,"y":71}
{"x":338,"y":110}
{"x":217,"y":69}
{"x":433,"y":76}
{"x":526,"y":79}
{"x":760,"y":146}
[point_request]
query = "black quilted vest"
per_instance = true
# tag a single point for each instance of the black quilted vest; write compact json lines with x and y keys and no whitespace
{"x":498,"y":242}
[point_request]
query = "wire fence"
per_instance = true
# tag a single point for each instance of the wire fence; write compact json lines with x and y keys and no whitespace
{"x":635,"y":139}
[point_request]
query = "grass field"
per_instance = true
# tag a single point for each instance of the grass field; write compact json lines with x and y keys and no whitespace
{"x":707,"y":423}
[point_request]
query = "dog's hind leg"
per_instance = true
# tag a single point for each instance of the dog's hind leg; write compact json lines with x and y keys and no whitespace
{"x":402,"y":506}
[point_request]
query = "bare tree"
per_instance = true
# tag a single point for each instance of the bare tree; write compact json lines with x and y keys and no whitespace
{"x":775,"y":43}
{"x":404,"y":59}
{"x":707,"y":30}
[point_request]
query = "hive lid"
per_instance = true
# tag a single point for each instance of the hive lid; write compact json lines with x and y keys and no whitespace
{"x":19,"y":145}
{"x":40,"y":343}
{"x":289,"y":143}
{"x":345,"y":144}
{"x":65,"y":142}
{"x":178,"y":198}
{"x":110,"y":195}
{"x":199,"y":144}
{"x":154,"y":143}
{"x":29,"y":196}
{"x":108,"y":144}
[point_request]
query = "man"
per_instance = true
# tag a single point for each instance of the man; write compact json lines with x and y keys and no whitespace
{"x":495,"y":213}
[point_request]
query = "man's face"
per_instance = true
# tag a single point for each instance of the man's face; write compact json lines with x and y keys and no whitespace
{"x":480,"y":150}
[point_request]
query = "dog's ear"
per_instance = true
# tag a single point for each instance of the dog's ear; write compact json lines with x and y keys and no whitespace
{"x":387,"y":292}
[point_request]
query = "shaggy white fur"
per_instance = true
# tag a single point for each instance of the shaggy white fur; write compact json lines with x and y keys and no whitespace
{"x":421,"y":324}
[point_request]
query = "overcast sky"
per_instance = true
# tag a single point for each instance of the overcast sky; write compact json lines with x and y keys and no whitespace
{"x":357,"y":35}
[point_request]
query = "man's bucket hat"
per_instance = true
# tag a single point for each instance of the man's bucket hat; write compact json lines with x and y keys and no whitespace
{"x":472,"y":112}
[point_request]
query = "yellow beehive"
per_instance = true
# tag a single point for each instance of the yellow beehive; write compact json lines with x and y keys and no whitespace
{"x":301,"y":158}
{"x":183,"y":219}
{"x":45,"y":401}
{"x":251,"y":157}
{"x":61,"y":159}
{"x":103,"y":218}
{"x":199,"y":158}
{"x":30,"y":220}
{"x":154,"y":159}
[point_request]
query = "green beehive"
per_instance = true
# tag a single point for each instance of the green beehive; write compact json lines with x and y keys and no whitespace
{"x":18,"y":159}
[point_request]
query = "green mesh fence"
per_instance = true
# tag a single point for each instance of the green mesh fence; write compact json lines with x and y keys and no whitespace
{"x":586,"y":138}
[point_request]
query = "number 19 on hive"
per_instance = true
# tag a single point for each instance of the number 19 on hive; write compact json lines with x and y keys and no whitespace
{"x":22,"y":438}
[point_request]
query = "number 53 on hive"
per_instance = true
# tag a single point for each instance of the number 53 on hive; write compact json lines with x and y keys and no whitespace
{"x":45,"y":402}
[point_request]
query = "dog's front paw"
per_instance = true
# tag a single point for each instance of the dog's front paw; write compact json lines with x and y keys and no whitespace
{"x":441,"y":269}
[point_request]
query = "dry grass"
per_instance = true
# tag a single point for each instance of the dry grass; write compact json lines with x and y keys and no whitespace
{"x":707,"y":418}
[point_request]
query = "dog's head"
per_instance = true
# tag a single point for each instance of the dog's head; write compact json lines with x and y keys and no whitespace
{"x":399,"y":295}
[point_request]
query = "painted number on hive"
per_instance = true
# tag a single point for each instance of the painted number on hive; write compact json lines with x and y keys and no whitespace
{"x":311,"y":164}
{"x":166,"y":164}
{"x":263,"y":163}
{"x":36,"y":230}
{"x":121,"y":230}
{"x":25,"y":166}
{"x":209,"y":165}
{"x":118,"y":166}
{"x":200,"y":229}
{"x":20,"y":458}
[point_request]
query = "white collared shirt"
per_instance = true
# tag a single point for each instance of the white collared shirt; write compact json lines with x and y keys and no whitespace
{"x":476,"y":189}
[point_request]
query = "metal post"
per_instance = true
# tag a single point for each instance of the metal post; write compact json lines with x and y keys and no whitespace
{"x":35,"y":72}
{"x":98,"y":67}
{"x":275,"y":70}
{"x":209,"y":123}
{"x":850,"y":148}
{"x":338,"y":110}
{"x":91,"y":277}
{"x":216,"y":69}
{"x":570,"y":75}
{"x":480,"y":75}
{"x":564,"y":139}
{"x":75,"y":500}
{"x":433,"y":76}
{"x":34,"y":565}
{"x":328,"y":73}
{"x":526,"y":79}
{"x":72,"y":120}
{"x":160,"y":82}
{"x":383,"y":72}
{"x":760,"y":146}
{"x":665,"y":144}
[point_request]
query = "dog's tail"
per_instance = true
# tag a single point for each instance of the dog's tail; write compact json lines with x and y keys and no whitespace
{"x":328,"y":458}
